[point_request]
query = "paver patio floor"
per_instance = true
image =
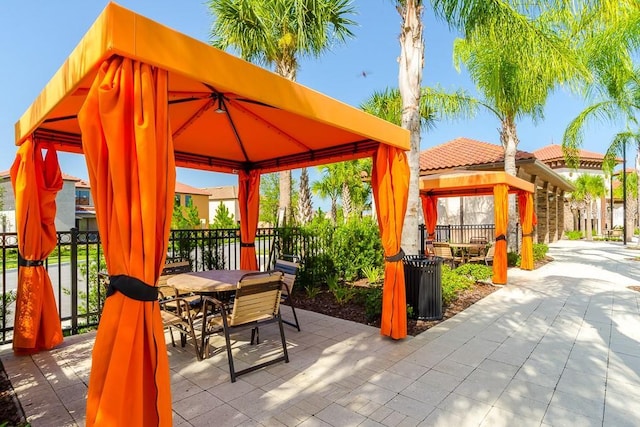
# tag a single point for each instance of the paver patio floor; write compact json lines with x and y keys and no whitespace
{"x":556,"y":346}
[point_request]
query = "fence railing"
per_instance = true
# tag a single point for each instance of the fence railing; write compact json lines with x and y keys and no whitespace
{"x":463,"y":233}
{"x":74,"y":264}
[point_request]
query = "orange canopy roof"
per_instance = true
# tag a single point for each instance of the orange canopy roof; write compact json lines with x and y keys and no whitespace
{"x":477,"y":183}
{"x":225,"y":113}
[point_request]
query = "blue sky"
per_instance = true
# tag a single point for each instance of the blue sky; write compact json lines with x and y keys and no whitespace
{"x":37,"y":35}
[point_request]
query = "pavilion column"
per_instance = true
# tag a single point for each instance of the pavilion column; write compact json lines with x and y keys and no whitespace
{"x":562,"y":210}
{"x":542,"y":203}
{"x":553,"y":216}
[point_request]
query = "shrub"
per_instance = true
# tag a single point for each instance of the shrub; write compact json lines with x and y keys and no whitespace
{"x":373,"y":303}
{"x":540,"y":251}
{"x":476,"y":272}
{"x":6,"y":300}
{"x":513,"y":259}
{"x":573,"y":234}
{"x":452,"y":283}
{"x":373,"y":274}
{"x":342,"y":293}
{"x":357,"y":246}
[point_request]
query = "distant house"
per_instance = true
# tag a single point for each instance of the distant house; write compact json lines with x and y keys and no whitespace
{"x":470,"y":154}
{"x":589,"y":163}
{"x":65,"y":204}
{"x":187,"y":196}
{"x":228,"y":196}
{"x":85,"y":209}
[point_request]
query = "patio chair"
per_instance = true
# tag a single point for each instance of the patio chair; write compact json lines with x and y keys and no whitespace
{"x":429,"y":249}
{"x":443,"y":250}
{"x":257,"y":302}
{"x":169,"y":270}
{"x":487,"y":258}
{"x":177,"y":314}
{"x":480,"y":249}
{"x":289,"y":270}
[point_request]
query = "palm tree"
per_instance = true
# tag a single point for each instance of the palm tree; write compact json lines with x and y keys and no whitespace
{"x":276,"y":33}
{"x":329,"y":186}
{"x":588,"y":189}
{"x":609,"y":40}
{"x":478,"y":17}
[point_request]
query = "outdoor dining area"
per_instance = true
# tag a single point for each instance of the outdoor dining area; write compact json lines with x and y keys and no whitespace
{"x":138,"y":99}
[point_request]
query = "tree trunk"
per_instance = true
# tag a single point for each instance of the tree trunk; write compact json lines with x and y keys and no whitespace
{"x":588,"y":228}
{"x":305,"y":213}
{"x":286,"y":67}
{"x":346,"y":201}
{"x":285,"y":195}
{"x":410,"y":82}
{"x":509,"y":140}
{"x":638,"y":190}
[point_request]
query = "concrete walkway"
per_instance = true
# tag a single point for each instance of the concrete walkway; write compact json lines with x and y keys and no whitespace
{"x":556,"y":346}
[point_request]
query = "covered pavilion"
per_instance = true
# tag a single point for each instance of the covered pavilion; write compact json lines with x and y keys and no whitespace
{"x":485,"y":183}
{"x":138,"y":99}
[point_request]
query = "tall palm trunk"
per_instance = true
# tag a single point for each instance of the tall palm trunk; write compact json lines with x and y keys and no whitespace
{"x":304,"y":199}
{"x":410,"y":81}
{"x":287,"y":69}
{"x":509,"y":140}
{"x":347,"y":206}
{"x":588,"y":228}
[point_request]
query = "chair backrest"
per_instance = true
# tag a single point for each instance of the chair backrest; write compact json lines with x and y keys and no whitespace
{"x":490,"y":252}
{"x":443,"y":251}
{"x":257,"y":298}
{"x":170,"y":269}
{"x":481,"y":241}
{"x":289,"y":270}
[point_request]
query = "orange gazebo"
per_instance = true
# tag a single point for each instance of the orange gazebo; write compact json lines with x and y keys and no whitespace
{"x":139,"y":99}
{"x":485,"y":183}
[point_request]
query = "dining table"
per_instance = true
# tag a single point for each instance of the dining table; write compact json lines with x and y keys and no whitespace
{"x":209,"y":281}
{"x":463,"y":249}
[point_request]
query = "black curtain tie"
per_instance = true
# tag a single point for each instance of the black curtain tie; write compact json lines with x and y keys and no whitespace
{"x":29,"y":262}
{"x":395,"y":258}
{"x":501,"y":237}
{"x":247,"y":245}
{"x":132,"y":288}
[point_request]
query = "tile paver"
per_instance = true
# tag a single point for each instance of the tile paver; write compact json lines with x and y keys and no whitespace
{"x":557,"y":346}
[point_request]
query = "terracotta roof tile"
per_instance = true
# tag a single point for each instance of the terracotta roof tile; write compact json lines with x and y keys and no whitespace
{"x":464,"y":152}
{"x":228,"y":192}
{"x":554,"y":152}
{"x":187,"y":189}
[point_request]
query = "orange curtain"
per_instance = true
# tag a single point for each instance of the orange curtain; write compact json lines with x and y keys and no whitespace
{"x":129,"y":153}
{"x":501,"y":217}
{"x":249,"y":201}
{"x":430,"y":212}
{"x":527,"y":221}
{"x":390,"y":183}
{"x":36,"y":181}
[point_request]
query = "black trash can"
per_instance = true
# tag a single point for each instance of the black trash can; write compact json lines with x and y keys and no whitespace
{"x":423,"y":285}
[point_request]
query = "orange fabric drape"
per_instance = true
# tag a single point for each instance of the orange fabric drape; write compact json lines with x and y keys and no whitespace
{"x":501,"y":217}
{"x":430,"y":212}
{"x":527,"y":221}
{"x":390,"y":184}
{"x":129,"y":152}
{"x":36,"y":181}
{"x":249,"y":201}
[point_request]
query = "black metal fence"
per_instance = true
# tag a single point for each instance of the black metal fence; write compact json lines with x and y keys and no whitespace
{"x":74,"y":264}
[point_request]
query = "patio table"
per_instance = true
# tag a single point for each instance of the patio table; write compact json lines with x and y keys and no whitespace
{"x":208,"y":281}
{"x":463,"y":248}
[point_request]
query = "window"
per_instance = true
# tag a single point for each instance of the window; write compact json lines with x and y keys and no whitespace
{"x":176,"y":200}
{"x":83,"y":196}
{"x":188,"y":201}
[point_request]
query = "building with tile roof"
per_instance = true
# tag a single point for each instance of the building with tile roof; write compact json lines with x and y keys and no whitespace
{"x":470,"y":154}
{"x":606,"y":215}
{"x":65,"y":204}
{"x":225,"y":195}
